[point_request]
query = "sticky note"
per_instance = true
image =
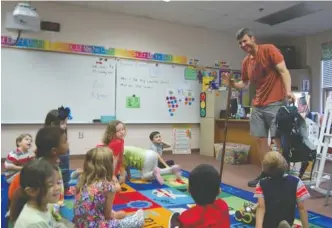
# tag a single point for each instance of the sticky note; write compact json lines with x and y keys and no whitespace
{"x":133,"y":102}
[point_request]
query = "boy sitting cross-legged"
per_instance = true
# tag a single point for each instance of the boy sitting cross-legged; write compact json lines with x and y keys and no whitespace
{"x":279,"y":194}
{"x":204,"y":187}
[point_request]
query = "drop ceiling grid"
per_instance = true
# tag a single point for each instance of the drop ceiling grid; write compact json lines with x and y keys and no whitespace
{"x":222,"y":16}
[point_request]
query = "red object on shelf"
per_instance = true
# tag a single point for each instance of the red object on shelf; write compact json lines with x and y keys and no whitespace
{"x":202,"y":96}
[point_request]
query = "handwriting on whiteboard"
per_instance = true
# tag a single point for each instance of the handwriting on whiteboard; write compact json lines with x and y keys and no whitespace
{"x":98,"y":80}
{"x":141,"y":83}
{"x":103,"y":70}
{"x":99,"y":96}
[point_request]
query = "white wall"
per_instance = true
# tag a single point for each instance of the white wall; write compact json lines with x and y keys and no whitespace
{"x":85,"y":26}
{"x":314,"y":62}
{"x":300,"y":47}
{"x":309,"y":55}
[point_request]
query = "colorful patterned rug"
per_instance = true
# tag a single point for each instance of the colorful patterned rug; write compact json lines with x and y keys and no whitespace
{"x":159,"y":202}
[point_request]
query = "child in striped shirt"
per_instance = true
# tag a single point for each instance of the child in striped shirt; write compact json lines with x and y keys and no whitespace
{"x":51,"y":142}
{"x":18,"y":157}
{"x":279,"y":194}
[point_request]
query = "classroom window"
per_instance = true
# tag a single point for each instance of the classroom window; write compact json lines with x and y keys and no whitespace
{"x":327,"y":92}
{"x":326,"y":70}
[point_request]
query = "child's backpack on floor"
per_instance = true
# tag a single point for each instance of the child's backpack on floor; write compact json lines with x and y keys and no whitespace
{"x":295,"y":143}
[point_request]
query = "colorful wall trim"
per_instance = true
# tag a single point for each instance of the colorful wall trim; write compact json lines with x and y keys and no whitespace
{"x":46,"y":45}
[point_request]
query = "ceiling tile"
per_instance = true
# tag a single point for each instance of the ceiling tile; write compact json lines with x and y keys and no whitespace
{"x":308,"y":24}
{"x":227,"y":22}
{"x":252,"y":11}
{"x":222,"y":8}
{"x":226,"y":16}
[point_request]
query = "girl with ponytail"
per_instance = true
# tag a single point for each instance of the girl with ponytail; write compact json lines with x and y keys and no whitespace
{"x":59,"y":117}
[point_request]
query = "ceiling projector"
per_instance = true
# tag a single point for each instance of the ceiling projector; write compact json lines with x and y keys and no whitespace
{"x":23,"y":18}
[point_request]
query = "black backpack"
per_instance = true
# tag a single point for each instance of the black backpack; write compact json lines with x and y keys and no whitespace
{"x":289,"y":123}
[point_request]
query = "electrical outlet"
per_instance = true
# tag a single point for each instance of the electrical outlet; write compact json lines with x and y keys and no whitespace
{"x":80,"y":135}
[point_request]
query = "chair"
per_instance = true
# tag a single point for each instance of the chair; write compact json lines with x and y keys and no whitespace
{"x":4,"y":201}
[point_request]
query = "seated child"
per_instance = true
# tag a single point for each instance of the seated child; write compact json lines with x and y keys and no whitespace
{"x":157,"y":146}
{"x":51,"y":142}
{"x":39,"y":190}
{"x":278,"y":194}
{"x":18,"y":157}
{"x":204,"y":187}
{"x":147,"y":162}
{"x":59,"y":118}
{"x":113,"y":138}
{"x":96,"y":191}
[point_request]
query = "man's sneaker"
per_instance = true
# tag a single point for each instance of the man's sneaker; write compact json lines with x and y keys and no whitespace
{"x":255,"y":181}
{"x":173,"y":220}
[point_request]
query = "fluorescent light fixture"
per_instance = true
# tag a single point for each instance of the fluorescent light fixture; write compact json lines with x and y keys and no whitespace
{"x":166,"y":0}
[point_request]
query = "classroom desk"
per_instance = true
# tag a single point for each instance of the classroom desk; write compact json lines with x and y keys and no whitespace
{"x":238,"y":131}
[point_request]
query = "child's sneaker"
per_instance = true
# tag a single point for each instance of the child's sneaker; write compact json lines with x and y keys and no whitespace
{"x":284,"y":224}
{"x":158,"y":177}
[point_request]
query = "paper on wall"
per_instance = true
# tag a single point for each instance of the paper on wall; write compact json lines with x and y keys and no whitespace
{"x":181,"y":140}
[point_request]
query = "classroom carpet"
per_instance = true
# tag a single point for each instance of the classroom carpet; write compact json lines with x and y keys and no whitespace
{"x":159,"y":202}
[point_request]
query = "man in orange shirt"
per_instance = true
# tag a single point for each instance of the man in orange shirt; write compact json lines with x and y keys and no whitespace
{"x":264,"y":67}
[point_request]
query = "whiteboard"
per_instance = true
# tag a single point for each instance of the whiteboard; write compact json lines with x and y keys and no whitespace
{"x":34,"y":82}
{"x":155,"y":93}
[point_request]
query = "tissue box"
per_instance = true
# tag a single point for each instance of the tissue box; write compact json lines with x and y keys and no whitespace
{"x":236,"y":154}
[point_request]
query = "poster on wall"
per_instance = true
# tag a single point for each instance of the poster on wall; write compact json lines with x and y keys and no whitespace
{"x":181,"y":140}
{"x":210,"y":79}
{"x":305,"y":85}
